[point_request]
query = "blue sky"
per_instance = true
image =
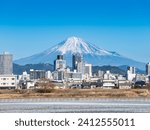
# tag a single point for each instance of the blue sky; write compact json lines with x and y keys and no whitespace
{"x":31,"y":26}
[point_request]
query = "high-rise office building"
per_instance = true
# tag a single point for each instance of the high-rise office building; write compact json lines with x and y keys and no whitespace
{"x":76,"y":58}
{"x":59,"y":63}
{"x":148,"y":68}
{"x":6,"y":65}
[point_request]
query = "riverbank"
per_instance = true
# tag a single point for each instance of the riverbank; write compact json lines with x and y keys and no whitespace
{"x":75,"y":93}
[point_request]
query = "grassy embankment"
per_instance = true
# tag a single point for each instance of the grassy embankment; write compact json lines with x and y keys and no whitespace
{"x":75,"y":93}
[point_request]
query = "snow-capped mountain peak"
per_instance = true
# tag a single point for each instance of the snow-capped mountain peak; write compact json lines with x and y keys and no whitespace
{"x":77,"y":45}
{"x":74,"y":45}
{"x":90,"y":52}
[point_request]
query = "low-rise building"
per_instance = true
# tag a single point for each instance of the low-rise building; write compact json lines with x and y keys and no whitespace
{"x":109,"y":76}
{"x":24,"y":76}
{"x":73,"y":76}
{"x":108,"y":84}
{"x":124,"y":84}
{"x":140,"y":77}
{"x":8,"y":81}
{"x":37,"y":74}
{"x":58,"y":75}
{"x":100,"y":74}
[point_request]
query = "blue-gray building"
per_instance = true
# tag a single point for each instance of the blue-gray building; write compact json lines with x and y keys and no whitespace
{"x":6,"y":64}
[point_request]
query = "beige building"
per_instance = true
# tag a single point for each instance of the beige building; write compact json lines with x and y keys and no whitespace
{"x":8,"y":81}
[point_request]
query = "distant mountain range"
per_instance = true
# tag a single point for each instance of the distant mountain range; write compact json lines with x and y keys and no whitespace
{"x":91,"y":54}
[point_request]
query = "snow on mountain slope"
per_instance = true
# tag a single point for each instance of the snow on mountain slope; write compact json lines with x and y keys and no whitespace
{"x":74,"y":44}
{"x":91,"y":54}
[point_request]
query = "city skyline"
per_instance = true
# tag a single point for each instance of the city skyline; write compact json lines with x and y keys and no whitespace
{"x":28,"y":27}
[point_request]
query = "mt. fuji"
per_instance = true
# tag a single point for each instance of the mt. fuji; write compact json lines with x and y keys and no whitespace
{"x":91,"y":54}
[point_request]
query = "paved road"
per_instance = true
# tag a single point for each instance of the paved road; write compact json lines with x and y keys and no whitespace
{"x":75,"y":105}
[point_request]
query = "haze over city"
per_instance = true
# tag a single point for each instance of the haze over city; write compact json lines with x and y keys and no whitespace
{"x":30,"y":26}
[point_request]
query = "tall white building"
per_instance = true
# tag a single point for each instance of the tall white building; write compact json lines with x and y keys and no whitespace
{"x":60,"y":63}
{"x":131,"y":70}
{"x":131,"y":74}
{"x":148,"y":68}
{"x":88,"y":69}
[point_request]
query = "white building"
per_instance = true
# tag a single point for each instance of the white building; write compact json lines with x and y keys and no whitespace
{"x":60,"y":63}
{"x":30,"y":84}
{"x":131,"y":73}
{"x":140,"y":77}
{"x":124,"y":84}
{"x":8,"y":81}
{"x":108,"y":84}
{"x":109,"y":76}
{"x":48,"y":75}
{"x":73,"y":76}
{"x":148,"y":79}
{"x":148,"y":68}
{"x":24,"y":76}
{"x":121,"y":77}
{"x":80,"y":67}
{"x":88,"y":70}
{"x":100,"y":74}
{"x":131,"y":70}
{"x":85,"y":69}
{"x":109,"y":80}
{"x":58,"y":75}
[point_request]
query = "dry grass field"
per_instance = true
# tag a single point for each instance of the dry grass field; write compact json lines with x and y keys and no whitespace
{"x":75,"y":93}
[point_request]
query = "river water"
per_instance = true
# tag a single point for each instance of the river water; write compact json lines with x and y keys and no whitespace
{"x":57,"y":105}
